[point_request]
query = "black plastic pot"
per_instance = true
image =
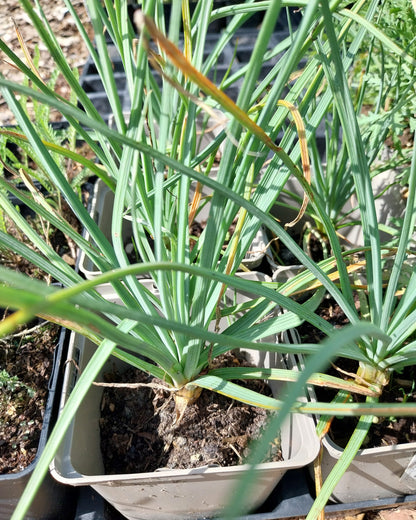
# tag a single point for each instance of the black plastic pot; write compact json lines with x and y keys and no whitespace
{"x":93,"y":86}
{"x":53,"y":500}
{"x":25,"y":211}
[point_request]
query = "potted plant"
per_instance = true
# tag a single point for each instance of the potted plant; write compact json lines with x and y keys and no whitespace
{"x":389,"y":306}
{"x":169,"y":333}
{"x":374,"y":80}
{"x":200,"y":489}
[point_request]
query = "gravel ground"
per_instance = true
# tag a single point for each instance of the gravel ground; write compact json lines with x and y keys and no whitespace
{"x":12,"y":14}
{"x":76,"y":54}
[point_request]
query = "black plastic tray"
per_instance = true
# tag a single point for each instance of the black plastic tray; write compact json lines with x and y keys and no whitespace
{"x":235,"y":55}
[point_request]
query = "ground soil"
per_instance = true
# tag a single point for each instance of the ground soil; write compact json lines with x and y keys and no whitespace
{"x":140,"y":433}
{"x":64,"y":28}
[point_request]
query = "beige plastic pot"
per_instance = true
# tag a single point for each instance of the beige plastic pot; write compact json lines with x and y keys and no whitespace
{"x":168,"y":494}
{"x":389,"y":204}
{"x":375,"y":473}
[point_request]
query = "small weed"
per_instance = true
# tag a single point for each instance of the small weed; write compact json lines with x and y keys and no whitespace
{"x":10,"y":384}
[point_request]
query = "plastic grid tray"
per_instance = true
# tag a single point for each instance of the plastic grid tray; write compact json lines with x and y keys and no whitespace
{"x":234,"y":57}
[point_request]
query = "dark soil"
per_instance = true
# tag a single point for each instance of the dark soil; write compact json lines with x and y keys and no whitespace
{"x":387,"y":430}
{"x":27,"y":357}
{"x":139,"y":433}
{"x":313,"y":243}
{"x":280,"y":253}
